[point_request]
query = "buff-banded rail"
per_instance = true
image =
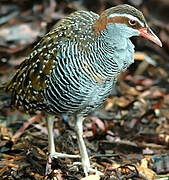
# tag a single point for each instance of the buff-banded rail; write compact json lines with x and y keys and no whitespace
{"x":72,"y":70}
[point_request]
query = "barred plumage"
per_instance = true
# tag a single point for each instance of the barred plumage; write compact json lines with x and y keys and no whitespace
{"x":65,"y":69}
{"x":74,"y":67}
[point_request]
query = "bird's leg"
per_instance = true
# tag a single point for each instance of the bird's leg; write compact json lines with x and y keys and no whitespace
{"x":51,"y":145}
{"x":82,"y":147}
{"x":52,"y":151}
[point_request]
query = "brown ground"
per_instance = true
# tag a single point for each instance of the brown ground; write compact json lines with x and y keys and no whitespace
{"x":127,"y":139}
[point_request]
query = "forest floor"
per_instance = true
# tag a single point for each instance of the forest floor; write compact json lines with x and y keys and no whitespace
{"x":128,"y":138}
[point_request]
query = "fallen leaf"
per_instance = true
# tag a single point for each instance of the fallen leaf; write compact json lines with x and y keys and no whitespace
{"x":148,"y":173}
{"x":91,"y":177}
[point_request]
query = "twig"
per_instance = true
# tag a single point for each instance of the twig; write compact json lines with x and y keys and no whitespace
{"x":25,"y":125}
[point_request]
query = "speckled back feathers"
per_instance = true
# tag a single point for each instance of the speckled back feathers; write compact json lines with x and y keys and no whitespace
{"x":30,"y":80}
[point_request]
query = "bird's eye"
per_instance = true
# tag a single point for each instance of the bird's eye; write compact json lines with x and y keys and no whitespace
{"x":132,"y":22}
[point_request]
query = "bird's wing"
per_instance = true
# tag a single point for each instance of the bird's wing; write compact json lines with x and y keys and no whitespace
{"x":30,"y":80}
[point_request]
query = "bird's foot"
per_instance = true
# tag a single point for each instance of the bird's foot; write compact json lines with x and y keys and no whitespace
{"x":87,"y":169}
{"x":57,"y":155}
{"x":62,"y":155}
{"x":91,"y":170}
{"x":48,"y":166}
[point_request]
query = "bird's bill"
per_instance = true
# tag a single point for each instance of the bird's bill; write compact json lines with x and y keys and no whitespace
{"x":148,"y":33}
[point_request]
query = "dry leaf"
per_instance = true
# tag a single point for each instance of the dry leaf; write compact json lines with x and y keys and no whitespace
{"x":148,"y":173}
{"x":140,"y":56}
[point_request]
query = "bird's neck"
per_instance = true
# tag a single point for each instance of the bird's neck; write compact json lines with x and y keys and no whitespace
{"x":116,"y":53}
{"x":117,"y":36}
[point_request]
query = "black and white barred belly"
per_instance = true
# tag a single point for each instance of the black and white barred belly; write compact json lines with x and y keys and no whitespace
{"x":72,"y":91}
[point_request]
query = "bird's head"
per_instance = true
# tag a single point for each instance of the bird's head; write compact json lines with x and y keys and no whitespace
{"x":125,"y":21}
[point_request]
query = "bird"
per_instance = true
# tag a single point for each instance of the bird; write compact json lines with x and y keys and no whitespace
{"x":73,"y":68}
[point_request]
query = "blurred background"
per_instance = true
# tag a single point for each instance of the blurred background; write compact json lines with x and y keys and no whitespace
{"x":134,"y":120}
